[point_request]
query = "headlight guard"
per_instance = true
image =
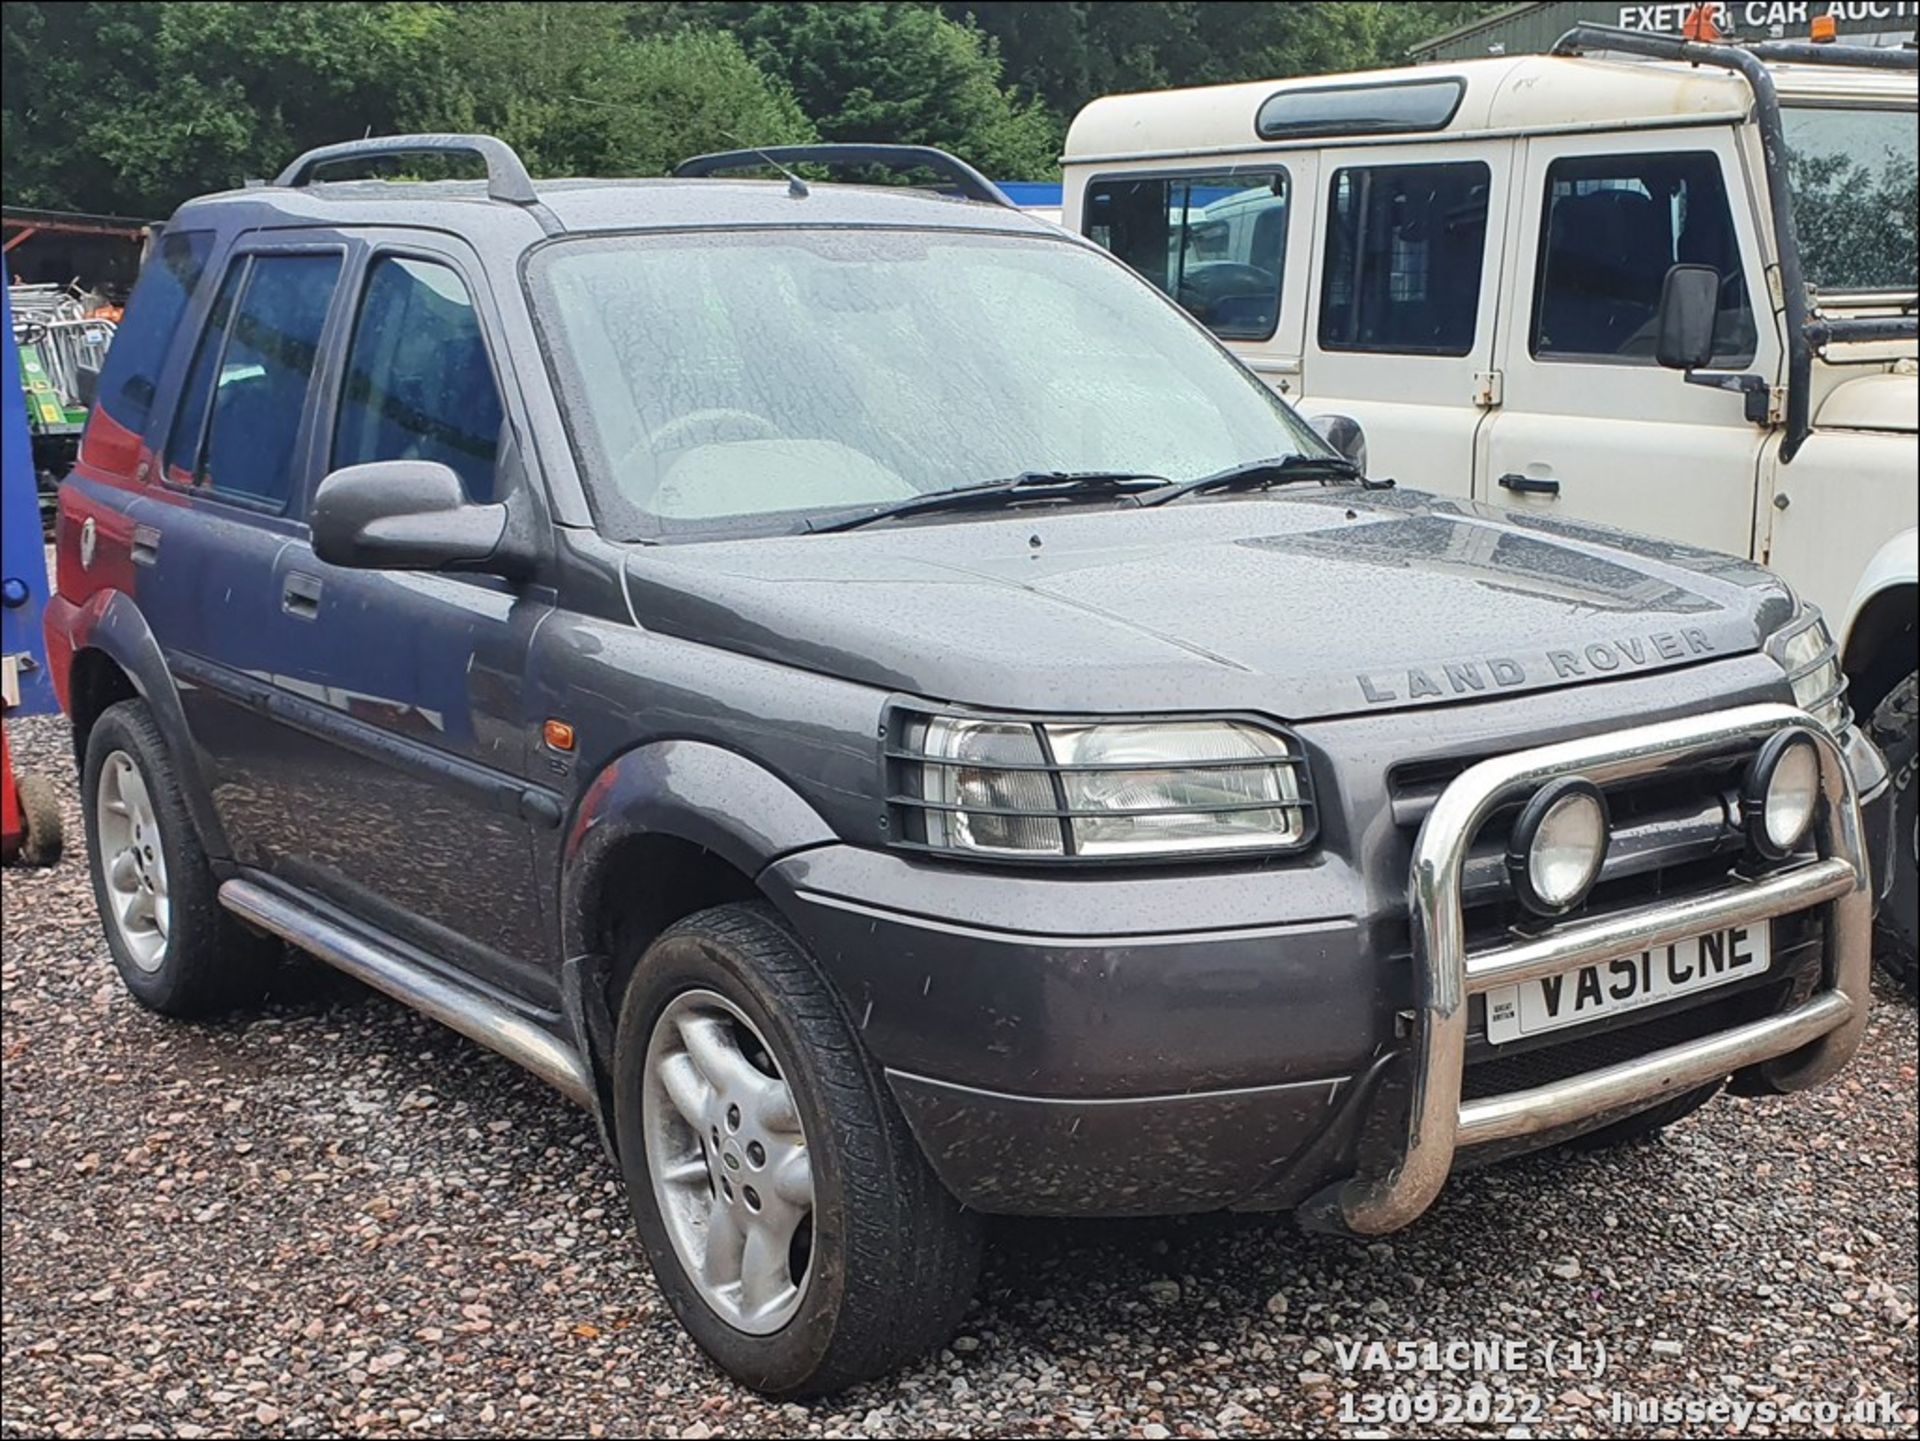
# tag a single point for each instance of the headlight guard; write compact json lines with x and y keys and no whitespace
{"x":1020,"y":789}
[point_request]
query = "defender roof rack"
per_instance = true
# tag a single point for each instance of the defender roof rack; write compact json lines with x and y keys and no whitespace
{"x":507,"y":177}
{"x":1804,"y":329}
{"x":900,"y":158}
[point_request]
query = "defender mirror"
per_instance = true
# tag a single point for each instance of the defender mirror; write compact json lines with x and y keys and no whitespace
{"x":1344,"y":434}
{"x":1689,"y":301}
{"x":408,"y":515}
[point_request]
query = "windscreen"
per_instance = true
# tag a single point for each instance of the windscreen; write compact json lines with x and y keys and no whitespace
{"x":1853,"y":179}
{"x":745,"y":381}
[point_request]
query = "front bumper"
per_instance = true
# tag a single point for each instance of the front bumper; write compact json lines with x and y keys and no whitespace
{"x":1058,"y":1050}
{"x":1790,"y":1051}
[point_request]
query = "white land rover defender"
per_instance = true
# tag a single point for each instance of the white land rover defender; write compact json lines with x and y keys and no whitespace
{"x":1644,"y":282}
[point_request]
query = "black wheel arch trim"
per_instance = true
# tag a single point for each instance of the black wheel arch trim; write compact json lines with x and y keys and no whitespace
{"x":117,"y":629}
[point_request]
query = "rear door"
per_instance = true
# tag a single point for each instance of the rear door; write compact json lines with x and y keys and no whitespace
{"x":231,"y":464}
{"x":1591,"y":428}
{"x":1400,"y":325}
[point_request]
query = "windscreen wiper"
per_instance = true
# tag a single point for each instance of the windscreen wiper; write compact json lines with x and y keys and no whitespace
{"x":1027,"y":488}
{"x":1259,"y":474}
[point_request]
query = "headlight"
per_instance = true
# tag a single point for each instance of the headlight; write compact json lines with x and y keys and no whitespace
{"x":1781,"y":792}
{"x":1558,"y":845}
{"x":1804,"y":649}
{"x":1097,"y":790}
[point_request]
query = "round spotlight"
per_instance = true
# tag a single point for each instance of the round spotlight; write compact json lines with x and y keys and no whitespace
{"x":1558,"y":846}
{"x":1781,"y":794}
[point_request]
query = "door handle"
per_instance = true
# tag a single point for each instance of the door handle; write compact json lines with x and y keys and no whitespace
{"x":300,"y":595}
{"x":146,"y":545}
{"x":1529,"y":484}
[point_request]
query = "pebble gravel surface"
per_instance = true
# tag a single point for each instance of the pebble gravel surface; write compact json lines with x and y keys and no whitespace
{"x":327,"y":1215}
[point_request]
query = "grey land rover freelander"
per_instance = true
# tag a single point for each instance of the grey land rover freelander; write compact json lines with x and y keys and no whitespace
{"x":858,"y":690}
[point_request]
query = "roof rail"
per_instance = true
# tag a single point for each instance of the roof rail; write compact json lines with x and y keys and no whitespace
{"x":1803,"y":330}
{"x":1864,"y":57}
{"x":507,"y":178}
{"x":968,"y":181}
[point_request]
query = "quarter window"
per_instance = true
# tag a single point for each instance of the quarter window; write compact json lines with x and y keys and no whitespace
{"x":1215,"y":243}
{"x":418,"y":383}
{"x":258,"y":385}
{"x":140,"y":344}
{"x":1611,"y":228}
{"x":1404,"y":251}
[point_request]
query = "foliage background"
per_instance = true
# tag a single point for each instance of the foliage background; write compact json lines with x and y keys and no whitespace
{"x":129,"y":108}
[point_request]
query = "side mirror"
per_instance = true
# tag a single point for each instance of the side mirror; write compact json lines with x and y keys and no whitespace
{"x":86,"y":384}
{"x":1689,"y":301}
{"x":1344,"y":434}
{"x":405,"y":515}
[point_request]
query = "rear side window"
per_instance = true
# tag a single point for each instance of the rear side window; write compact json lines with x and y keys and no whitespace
{"x":1611,"y":228}
{"x":1215,"y":243}
{"x":1404,"y":250}
{"x":190,"y":415}
{"x":418,"y":383}
{"x":250,"y":377}
{"x":140,"y":344}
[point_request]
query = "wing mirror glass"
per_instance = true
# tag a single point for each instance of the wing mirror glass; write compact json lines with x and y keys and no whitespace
{"x":1344,"y":434}
{"x":1689,"y":302}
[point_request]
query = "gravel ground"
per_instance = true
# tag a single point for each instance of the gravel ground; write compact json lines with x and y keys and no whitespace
{"x":329,"y":1215}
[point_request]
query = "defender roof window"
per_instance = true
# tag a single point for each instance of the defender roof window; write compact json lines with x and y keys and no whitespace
{"x":1403,"y":259}
{"x":1215,"y":243}
{"x":249,"y":380}
{"x":1360,"y":109}
{"x":1611,"y":228}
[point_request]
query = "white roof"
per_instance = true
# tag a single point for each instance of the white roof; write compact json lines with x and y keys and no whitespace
{"x":1506,"y":95}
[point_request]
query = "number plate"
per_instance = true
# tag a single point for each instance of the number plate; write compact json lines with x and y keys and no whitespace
{"x":1588,"y":993}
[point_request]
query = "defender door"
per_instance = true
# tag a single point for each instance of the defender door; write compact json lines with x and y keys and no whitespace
{"x":1400,"y":329}
{"x":1590,"y":427}
{"x":1231,"y":240}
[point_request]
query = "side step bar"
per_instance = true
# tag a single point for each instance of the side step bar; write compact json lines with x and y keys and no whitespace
{"x":473,"y":1015}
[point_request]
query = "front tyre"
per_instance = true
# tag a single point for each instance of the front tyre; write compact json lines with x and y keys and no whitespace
{"x":1894,"y":729}
{"x":791,"y":1221}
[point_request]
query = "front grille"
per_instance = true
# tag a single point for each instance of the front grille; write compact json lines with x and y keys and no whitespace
{"x":1674,"y":833}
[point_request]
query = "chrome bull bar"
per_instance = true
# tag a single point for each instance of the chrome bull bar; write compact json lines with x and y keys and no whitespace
{"x":1806,"y":1044}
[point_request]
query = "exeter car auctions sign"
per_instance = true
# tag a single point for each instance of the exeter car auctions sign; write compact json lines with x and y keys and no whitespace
{"x":1531,"y":29}
{"x":1754,"y":19}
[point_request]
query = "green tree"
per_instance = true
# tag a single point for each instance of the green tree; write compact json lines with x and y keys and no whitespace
{"x":902,"y":73}
{"x":133,"y":107}
{"x":1071,"y":51}
{"x":577,"y":93}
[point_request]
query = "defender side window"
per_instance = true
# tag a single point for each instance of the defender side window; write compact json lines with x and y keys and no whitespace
{"x":131,"y":372}
{"x":1403,"y":259}
{"x":250,"y":375}
{"x":418,"y":383}
{"x":1215,"y":243}
{"x":1611,"y":228}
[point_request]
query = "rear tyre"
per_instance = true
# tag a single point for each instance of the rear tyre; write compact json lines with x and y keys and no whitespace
{"x":792,"y":1223}
{"x":175,"y":948}
{"x":1896,"y":946}
{"x":1647,"y":1124}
